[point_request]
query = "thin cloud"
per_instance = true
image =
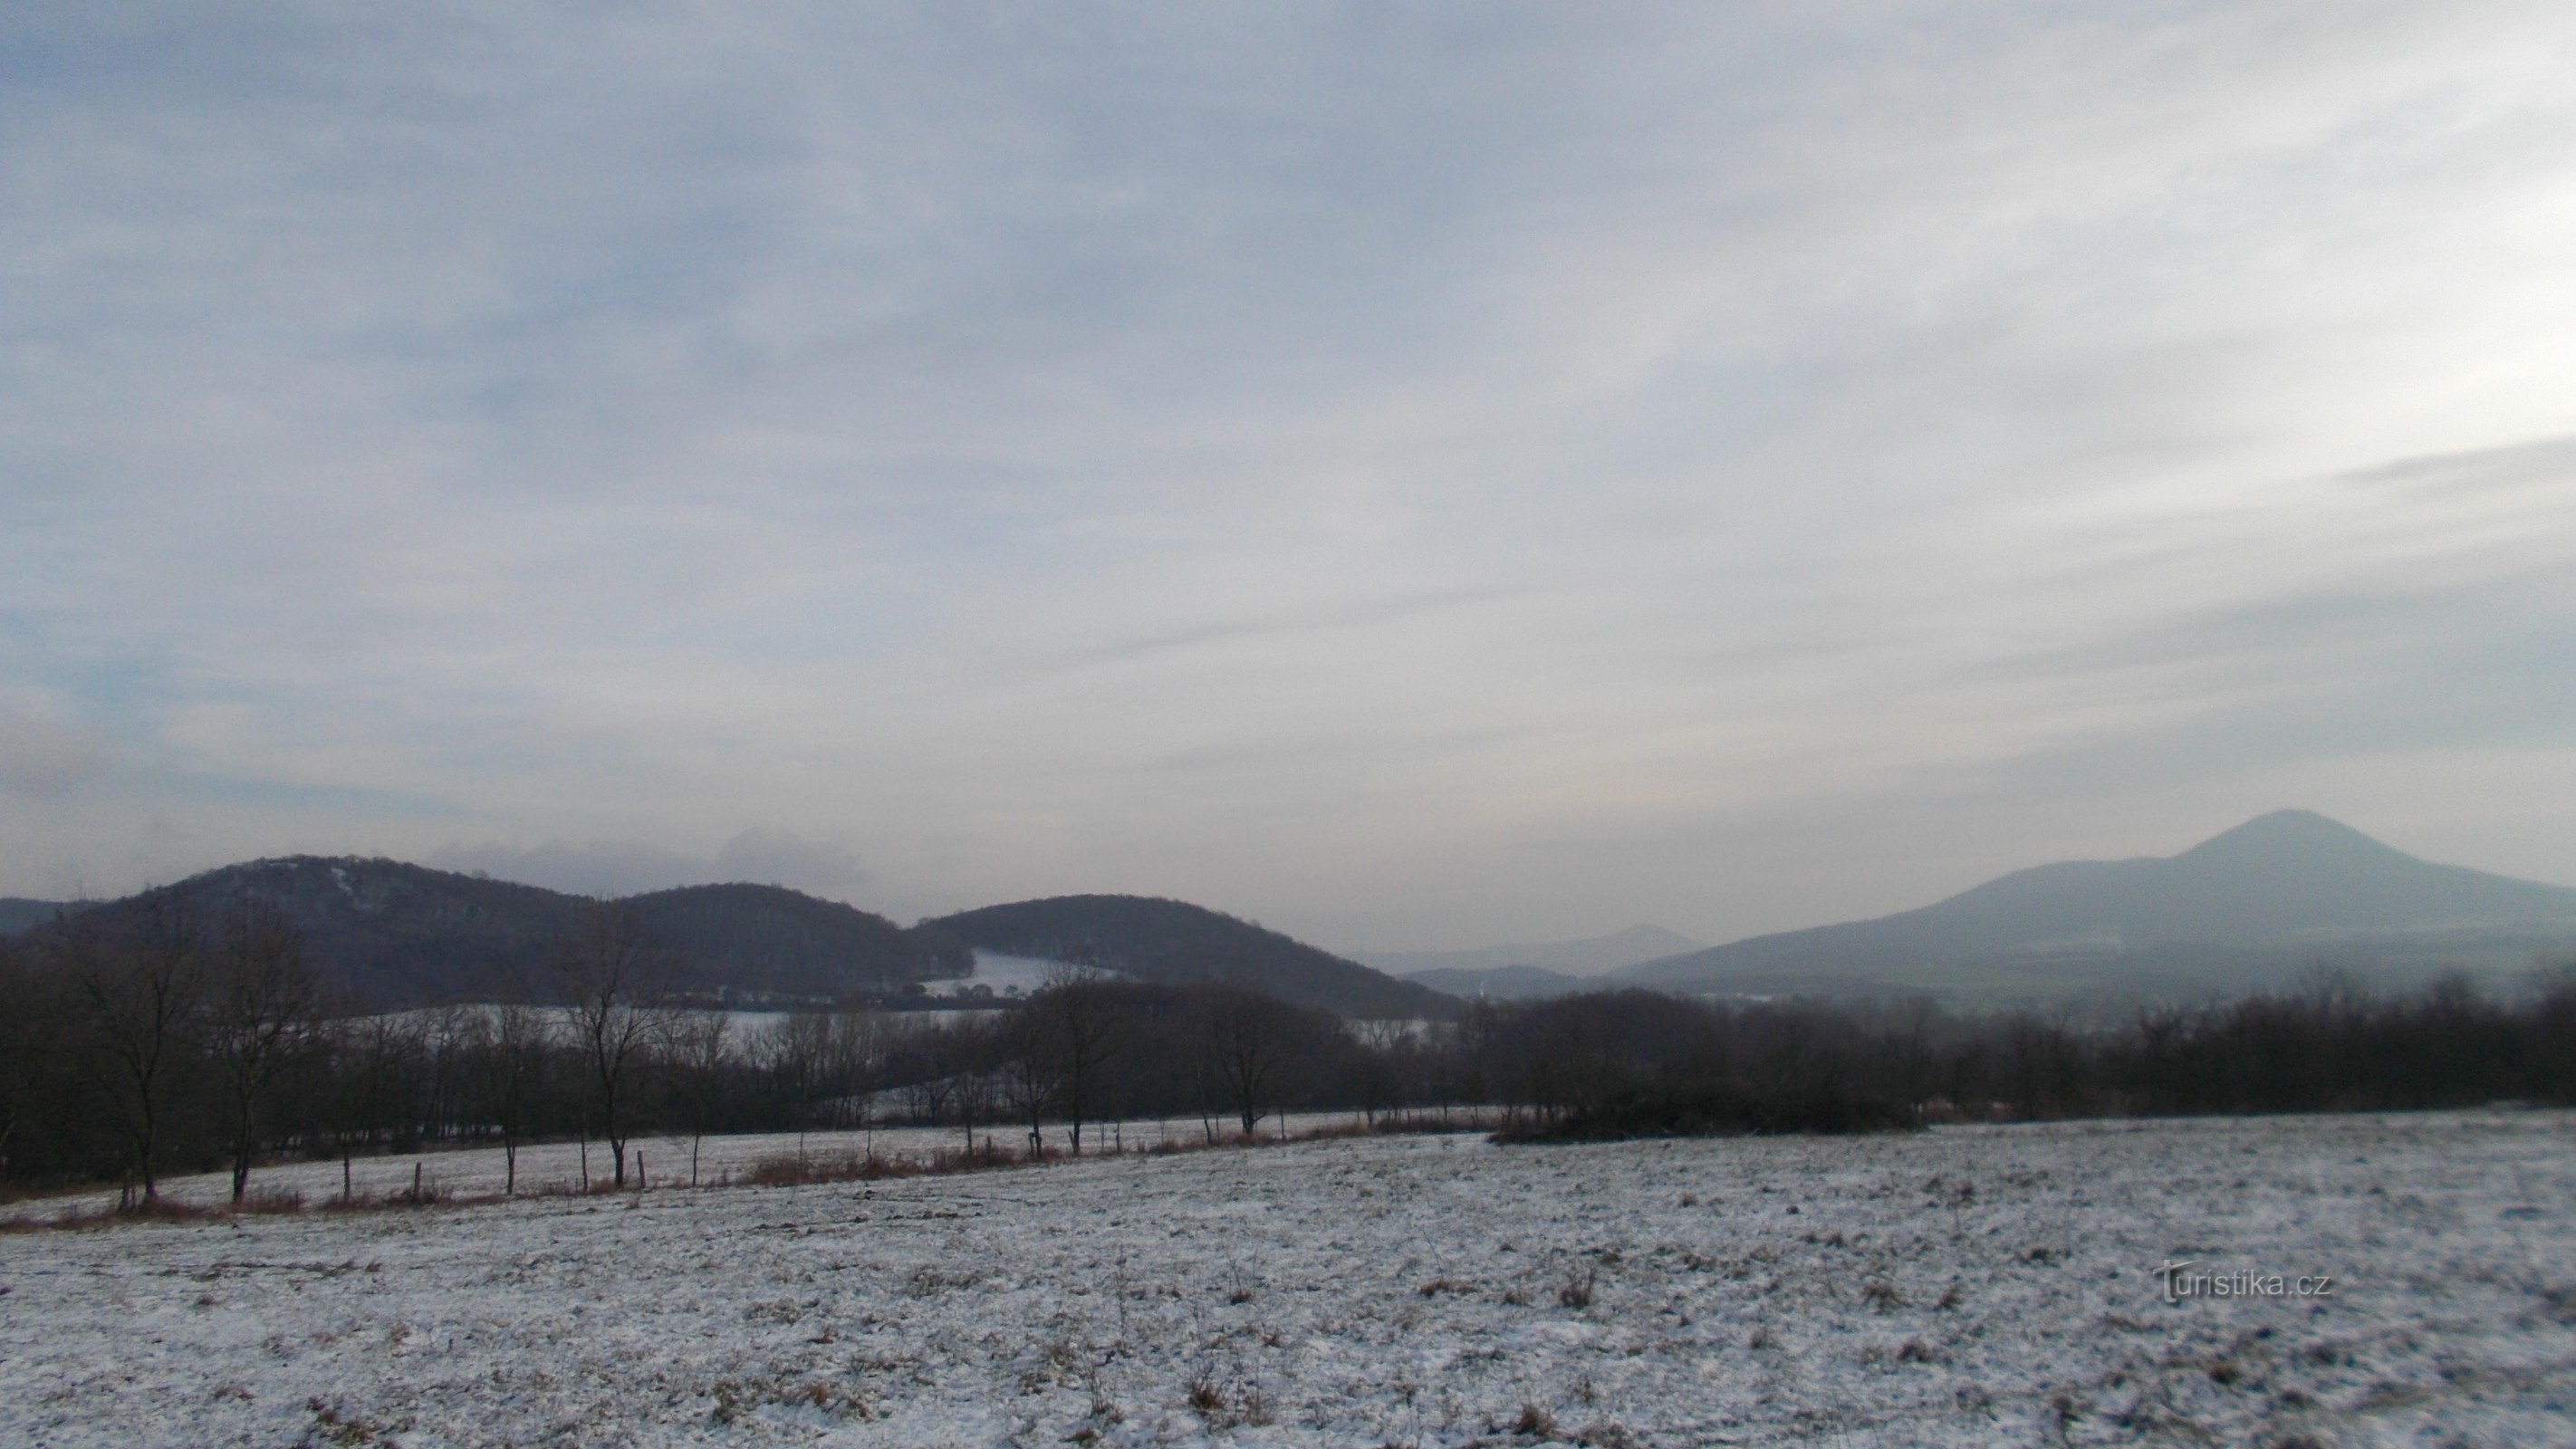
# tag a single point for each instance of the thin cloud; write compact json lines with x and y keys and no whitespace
{"x":1414,"y":476}
{"x":1358,"y":616}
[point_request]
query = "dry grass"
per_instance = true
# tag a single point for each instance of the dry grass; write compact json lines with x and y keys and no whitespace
{"x":152,"y":1210}
{"x":797,"y":1169}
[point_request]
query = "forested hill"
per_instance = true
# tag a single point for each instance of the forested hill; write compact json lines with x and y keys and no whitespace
{"x":1174,"y":943}
{"x":18,"y":915}
{"x":392,"y":935}
{"x":790,"y":943}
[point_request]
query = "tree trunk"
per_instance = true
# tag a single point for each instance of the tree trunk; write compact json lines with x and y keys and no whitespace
{"x":143,"y":1148}
{"x":241,"y":1148}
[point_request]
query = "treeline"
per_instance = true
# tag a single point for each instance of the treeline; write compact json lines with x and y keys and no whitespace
{"x":1638,"y":1063}
{"x":171,"y":1045}
{"x":134,"y":1051}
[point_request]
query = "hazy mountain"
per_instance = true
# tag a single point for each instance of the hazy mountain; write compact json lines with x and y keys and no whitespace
{"x":1173,"y":942}
{"x":18,"y":914}
{"x":1587,"y":957}
{"x":1502,"y":983}
{"x":2271,"y":895}
{"x":393,"y":934}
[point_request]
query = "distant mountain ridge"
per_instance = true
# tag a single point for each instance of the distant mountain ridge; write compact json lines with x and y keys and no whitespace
{"x":1587,"y":957}
{"x":1503,"y":983}
{"x":2246,"y":906}
{"x":1176,"y":943}
{"x":392,"y":934}
{"x":2278,"y":891}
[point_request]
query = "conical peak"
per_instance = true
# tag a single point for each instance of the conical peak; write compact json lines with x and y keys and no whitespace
{"x":2288,"y":835}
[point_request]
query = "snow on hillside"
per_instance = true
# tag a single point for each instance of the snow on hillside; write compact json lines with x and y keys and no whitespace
{"x":1968,"y":1286}
{"x":1003,"y":974}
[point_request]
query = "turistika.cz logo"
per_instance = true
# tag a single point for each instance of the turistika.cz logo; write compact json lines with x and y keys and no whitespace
{"x":2181,"y":1283}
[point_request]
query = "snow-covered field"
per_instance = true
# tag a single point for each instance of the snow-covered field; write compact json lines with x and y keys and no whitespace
{"x":666,"y":1161}
{"x":1970,"y":1286}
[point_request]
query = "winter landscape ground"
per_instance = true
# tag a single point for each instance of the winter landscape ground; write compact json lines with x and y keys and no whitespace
{"x":556,"y":1168}
{"x":1968,"y":1285}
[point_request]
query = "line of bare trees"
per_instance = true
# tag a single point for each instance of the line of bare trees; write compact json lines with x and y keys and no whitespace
{"x":166,"y":1045}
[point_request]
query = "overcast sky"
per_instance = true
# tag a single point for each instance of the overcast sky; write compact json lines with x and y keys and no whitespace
{"x":1415,"y":475}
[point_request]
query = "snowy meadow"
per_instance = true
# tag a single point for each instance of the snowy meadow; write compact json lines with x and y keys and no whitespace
{"x":2389,"y":1279}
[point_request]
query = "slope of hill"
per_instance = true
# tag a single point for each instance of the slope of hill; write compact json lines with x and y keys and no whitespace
{"x":1587,"y":957}
{"x":392,"y":934}
{"x":753,"y":940}
{"x":2273,"y":894}
{"x":1174,"y":943}
{"x":1501,"y":983}
{"x":18,"y":914}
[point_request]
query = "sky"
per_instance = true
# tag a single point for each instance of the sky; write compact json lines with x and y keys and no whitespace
{"x":1414,"y":475}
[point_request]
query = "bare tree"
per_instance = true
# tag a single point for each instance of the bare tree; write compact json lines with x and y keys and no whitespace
{"x":375,"y":1101}
{"x":1079,"y":1033}
{"x":511,"y":1041}
{"x":852,"y":1060}
{"x":966,"y":1051}
{"x":259,"y":1012}
{"x":611,"y":978}
{"x":449,"y":1035}
{"x":697,"y":1047}
{"x":1029,"y":1075}
{"x":140,"y":996}
{"x":796,"y":1054}
{"x":927,"y":1095}
{"x":1247,"y":1036}
{"x":1384,"y":1044}
{"x":25,"y":1012}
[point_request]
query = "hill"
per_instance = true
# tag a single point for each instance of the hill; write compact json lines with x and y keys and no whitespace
{"x":392,"y":934}
{"x":1175,"y":943}
{"x":754,"y":940}
{"x":18,"y":914}
{"x":2274,"y":894}
{"x":1587,"y":957}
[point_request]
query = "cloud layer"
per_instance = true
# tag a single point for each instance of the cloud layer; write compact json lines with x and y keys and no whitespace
{"x":1417,"y":475}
